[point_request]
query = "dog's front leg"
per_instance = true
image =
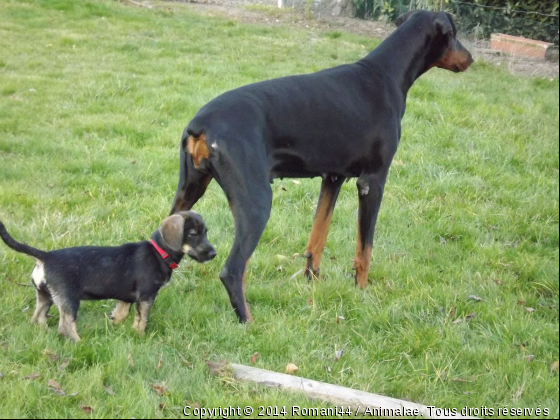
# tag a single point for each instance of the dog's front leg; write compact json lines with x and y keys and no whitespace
{"x":370,"y":192}
{"x":142,"y":313}
{"x":120,"y":312}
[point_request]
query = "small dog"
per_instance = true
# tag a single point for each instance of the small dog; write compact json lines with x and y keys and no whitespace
{"x":131,"y":273}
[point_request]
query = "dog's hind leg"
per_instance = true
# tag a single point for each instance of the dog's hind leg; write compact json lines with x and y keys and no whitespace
{"x":67,"y":325}
{"x":250,"y":204}
{"x":44,"y":303}
{"x":68,"y":311}
{"x":120,"y":313}
{"x":330,"y":187}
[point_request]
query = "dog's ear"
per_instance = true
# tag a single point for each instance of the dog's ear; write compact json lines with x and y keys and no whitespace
{"x":444,"y":24}
{"x":404,"y":17}
{"x":171,"y":231}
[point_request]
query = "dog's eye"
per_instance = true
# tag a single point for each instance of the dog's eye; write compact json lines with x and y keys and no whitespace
{"x":193,"y":232}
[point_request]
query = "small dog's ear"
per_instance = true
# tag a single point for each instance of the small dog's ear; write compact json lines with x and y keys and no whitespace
{"x":171,"y":231}
{"x":404,"y":17}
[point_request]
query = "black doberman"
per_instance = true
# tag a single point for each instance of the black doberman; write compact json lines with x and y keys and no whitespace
{"x":337,"y":123}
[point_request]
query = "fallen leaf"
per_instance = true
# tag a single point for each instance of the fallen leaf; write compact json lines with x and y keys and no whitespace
{"x":339,"y":319}
{"x":328,"y":368}
{"x":442,"y":240}
{"x":254,"y":358}
{"x":498,"y":282}
{"x":554,"y":367}
{"x":160,"y":390}
{"x":530,"y":310}
{"x":281,"y":257}
{"x":469,"y":317}
{"x":218,"y":369}
{"x":51,"y":356}
{"x":55,"y":387}
{"x":160,"y":362}
{"x":110,"y":390}
{"x":458,"y":321}
{"x":87,"y":409}
{"x":310,"y":302}
{"x":192,"y":404}
{"x":338,"y":355}
{"x":296,"y":255}
{"x":162,"y":406}
{"x":291,"y":368}
{"x":295,"y":181}
{"x":25,"y":309}
{"x":452,"y":312}
{"x":475,"y":298}
{"x":33,"y":376}
{"x":65,"y":363}
{"x":521,"y":302}
{"x":530,"y":357}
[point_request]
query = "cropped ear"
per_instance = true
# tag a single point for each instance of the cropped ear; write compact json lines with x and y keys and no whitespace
{"x":444,"y":24}
{"x":171,"y":231}
{"x":404,"y":17}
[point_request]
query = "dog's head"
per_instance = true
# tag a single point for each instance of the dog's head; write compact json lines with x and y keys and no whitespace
{"x":445,"y":50}
{"x":185,"y":232}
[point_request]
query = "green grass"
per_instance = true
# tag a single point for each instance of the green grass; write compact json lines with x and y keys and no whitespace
{"x":93,"y":99}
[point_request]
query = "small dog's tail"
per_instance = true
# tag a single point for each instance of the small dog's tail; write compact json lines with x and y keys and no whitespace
{"x":19,"y":247}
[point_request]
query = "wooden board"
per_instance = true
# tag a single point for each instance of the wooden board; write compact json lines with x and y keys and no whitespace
{"x":341,"y":396}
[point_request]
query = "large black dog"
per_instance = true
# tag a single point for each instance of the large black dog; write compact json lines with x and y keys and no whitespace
{"x":131,"y":273}
{"x":338,"y":123}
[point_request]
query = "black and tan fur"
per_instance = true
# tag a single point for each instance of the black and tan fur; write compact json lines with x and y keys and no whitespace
{"x":130,"y":273}
{"x":339,"y":123}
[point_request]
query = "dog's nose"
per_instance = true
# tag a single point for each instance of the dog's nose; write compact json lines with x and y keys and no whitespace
{"x":211,"y":254}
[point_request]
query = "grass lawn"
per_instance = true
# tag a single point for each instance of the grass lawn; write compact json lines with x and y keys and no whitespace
{"x":93,"y":99}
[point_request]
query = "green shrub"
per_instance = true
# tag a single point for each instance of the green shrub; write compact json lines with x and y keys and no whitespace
{"x":536,"y":19}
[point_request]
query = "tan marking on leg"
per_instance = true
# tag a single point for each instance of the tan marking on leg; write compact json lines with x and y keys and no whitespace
{"x":141,"y":318}
{"x":197,"y":148}
{"x":67,"y":325}
{"x":120,"y":313}
{"x":318,"y":237}
{"x":42,"y":308}
{"x":73,"y":332}
{"x":247,"y":311}
{"x":361,"y":263}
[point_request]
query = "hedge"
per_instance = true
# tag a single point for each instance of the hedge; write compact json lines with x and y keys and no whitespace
{"x":536,"y":19}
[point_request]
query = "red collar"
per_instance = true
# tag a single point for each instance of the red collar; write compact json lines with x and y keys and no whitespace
{"x":172,"y":264}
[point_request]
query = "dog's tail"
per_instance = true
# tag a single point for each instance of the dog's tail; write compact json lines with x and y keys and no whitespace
{"x":19,"y":247}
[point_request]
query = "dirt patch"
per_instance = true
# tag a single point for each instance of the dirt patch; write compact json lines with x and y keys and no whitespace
{"x":265,"y":12}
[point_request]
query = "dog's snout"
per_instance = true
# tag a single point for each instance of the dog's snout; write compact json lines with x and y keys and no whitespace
{"x":212,"y":254}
